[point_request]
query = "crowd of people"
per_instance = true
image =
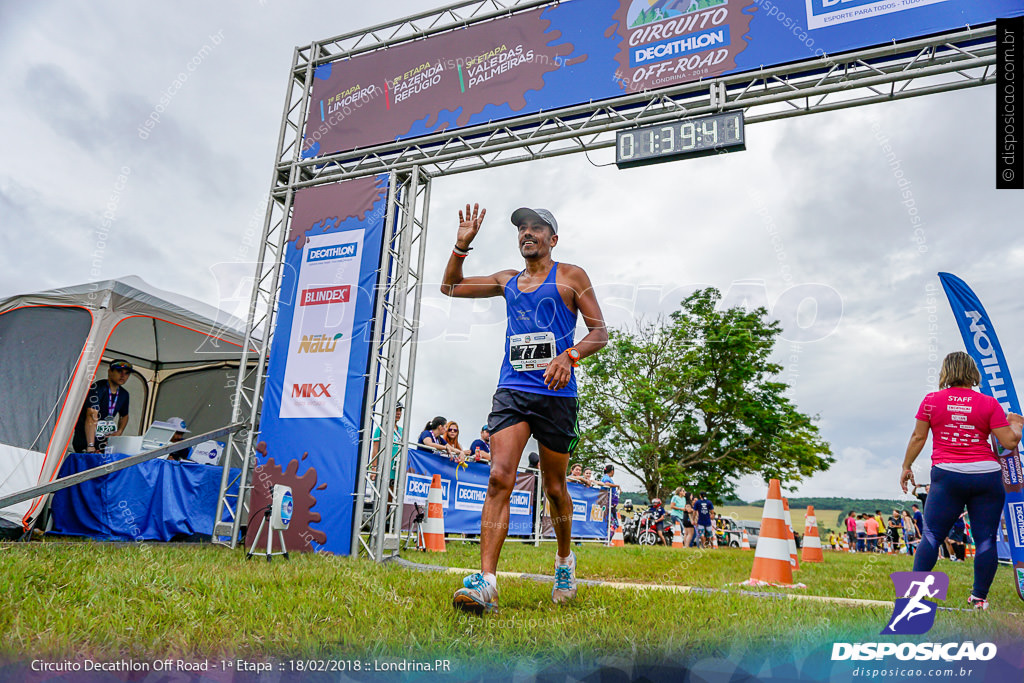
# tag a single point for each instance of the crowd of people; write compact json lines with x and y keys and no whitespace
{"x":695,"y":515}
{"x":866,"y":532}
{"x":442,"y":435}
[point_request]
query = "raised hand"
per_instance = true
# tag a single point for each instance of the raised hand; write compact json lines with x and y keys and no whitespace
{"x":469,"y":225}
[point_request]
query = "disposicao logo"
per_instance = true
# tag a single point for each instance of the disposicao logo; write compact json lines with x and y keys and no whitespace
{"x":913,"y":614}
{"x":320,"y":254}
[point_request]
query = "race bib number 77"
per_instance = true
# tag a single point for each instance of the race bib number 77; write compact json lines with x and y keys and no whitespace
{"x":533,"y":351}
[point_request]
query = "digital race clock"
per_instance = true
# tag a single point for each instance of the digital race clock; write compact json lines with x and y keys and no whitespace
{"x":702,"y":136}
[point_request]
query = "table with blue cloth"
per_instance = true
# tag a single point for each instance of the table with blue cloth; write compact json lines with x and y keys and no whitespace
{"x":156,"y":500}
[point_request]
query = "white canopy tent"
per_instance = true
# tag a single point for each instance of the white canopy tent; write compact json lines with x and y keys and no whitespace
{"x":53,"y":344}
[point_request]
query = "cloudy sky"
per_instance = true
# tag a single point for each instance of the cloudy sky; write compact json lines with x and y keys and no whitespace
{"x":812,"y":204}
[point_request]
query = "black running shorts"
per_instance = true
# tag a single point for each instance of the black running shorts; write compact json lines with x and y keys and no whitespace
{"x":552,"y":419}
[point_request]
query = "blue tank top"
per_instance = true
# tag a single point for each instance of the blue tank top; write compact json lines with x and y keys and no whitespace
{"x":540,"y":311}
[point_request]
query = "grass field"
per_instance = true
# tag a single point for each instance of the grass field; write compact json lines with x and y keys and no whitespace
{"x":119,"y":600}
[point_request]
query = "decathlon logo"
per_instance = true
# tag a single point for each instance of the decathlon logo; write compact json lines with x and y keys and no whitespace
{"x":321,"y":254}
{"x":683,"y":45}
{"x":914,"y":614}
{"x":1017,"y":516}
{"x":417,"y":488}
{"x":325,"y":295}
{"x":311,"y":391}
{"x":470,"y":496}
{"x":991,"y":371}
{"x":519,"y":503}
{"x":579,"y":510}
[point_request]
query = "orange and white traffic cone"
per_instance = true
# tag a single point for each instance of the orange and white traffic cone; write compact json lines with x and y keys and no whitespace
{"x":677,"y":535}
{"x":745,"y":541}
{"x":812,"y":540}
{"x":433,"y":527}
{"x":771,"y":557}
{"x":617,"y":541}
{"x":793,"y":561}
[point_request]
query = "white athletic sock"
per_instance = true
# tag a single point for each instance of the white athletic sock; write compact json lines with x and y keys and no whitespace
{"x":492,"y":580}
{"x":563,"y":560}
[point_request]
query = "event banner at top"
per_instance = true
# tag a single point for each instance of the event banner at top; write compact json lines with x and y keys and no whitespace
{"x":580,"y":51}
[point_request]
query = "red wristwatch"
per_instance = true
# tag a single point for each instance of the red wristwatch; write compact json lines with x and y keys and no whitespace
{"x":574,"y":354}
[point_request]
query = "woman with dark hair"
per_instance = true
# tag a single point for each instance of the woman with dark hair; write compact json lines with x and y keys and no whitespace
{"x":965,"y":471}
{"x":433,"y":434}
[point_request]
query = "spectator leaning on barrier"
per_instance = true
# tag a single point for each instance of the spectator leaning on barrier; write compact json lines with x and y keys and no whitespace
{"x":480,"y":449}
{"x":433,"y":434}
{"x":576,"y":473}
{"x":588,"y":477}
{"x":451,"y":436}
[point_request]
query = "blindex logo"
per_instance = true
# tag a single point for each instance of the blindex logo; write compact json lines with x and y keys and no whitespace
{"x":317,"y":296}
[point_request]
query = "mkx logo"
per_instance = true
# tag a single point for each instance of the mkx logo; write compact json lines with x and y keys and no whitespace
{"x":913,"y":614}
{"x":311,"y":391}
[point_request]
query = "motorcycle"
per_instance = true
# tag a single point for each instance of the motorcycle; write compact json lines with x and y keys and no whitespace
{"x":641,"y":530}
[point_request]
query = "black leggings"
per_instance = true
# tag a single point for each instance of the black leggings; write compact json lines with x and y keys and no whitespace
{"x":983,"y":494}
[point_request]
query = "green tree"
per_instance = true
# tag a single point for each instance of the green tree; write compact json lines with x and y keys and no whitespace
{"x":693,"y":400}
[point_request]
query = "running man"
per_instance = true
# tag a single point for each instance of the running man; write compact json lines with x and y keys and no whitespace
{"x":536,"y":392}
{"x":914,"y":607}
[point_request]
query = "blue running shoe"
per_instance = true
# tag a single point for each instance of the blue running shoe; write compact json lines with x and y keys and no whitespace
{"x":476,"y":595}
{"x":565,"y":581}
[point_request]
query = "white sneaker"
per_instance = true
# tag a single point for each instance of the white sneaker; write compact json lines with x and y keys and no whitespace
{"x":565,"y":580}
{"x":476,"y":595}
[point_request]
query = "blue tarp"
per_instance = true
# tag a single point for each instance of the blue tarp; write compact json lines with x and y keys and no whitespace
{"x":153,"y":501}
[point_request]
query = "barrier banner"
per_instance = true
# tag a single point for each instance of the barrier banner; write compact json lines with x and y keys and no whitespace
{"x":580,"y":51}
{"x":316,"y":376}
{"x":589,"y":513}
{"x":463,"y":489}
{"x":983,"y":346}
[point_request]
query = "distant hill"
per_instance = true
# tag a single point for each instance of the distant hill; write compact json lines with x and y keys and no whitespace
{"x":858,"y":505}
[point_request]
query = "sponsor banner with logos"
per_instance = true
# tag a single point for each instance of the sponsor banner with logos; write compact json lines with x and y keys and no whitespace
{"x":981,"y":343}
{"x":579,"y":51}
{"x":316,"y":370}
{"x":316,"y":376}
{"x":589,"y":512}
{"x":463,"y":491}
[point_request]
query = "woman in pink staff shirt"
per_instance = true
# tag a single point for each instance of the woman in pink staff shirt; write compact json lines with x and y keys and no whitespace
{"x":965,"y":471}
